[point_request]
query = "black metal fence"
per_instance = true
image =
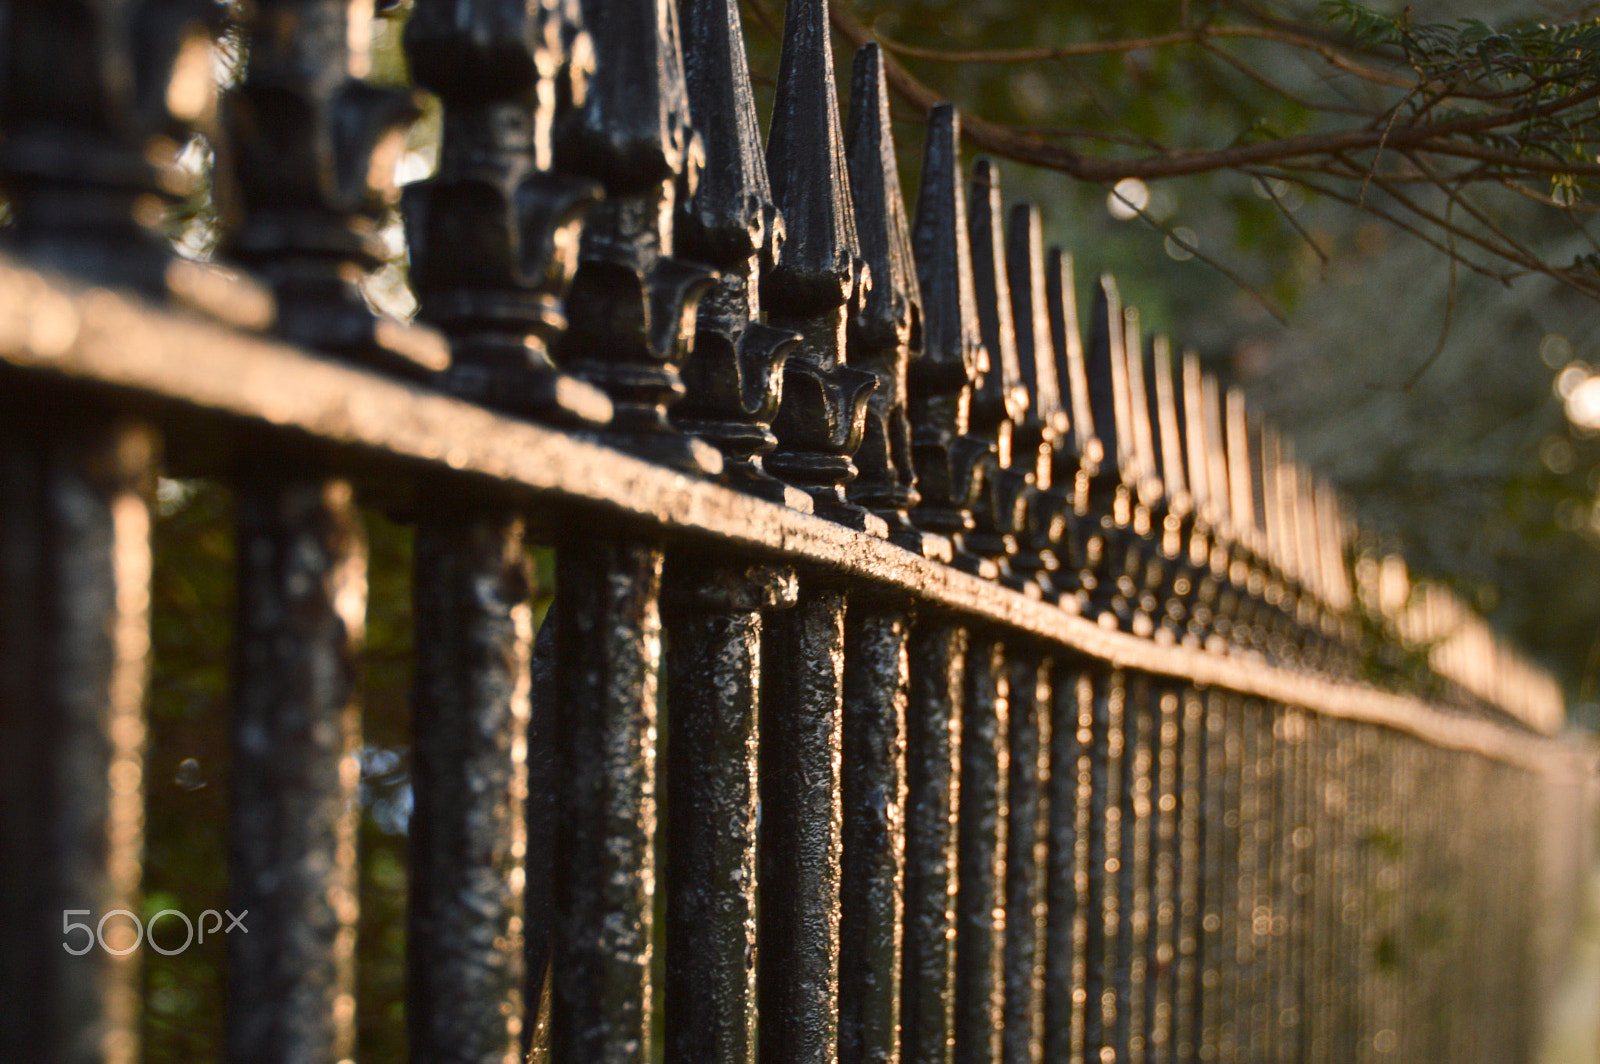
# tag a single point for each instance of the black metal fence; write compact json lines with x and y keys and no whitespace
{"x":1020,"y":698}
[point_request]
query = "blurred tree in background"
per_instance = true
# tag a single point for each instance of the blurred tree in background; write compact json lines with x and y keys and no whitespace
{"x":1377,"y":219}
{"x":1379,"y":227}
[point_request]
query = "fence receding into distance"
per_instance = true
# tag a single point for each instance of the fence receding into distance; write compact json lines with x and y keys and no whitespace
{"x":1008,"y":692}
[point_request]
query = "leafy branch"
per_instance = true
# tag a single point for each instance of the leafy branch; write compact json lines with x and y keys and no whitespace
{"x":1483,"y":115}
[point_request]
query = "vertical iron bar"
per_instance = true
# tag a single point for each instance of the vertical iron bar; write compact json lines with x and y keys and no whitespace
{"x":302,"y":600}
{"x":1193,"y":873}
{"x":74,"y":639}
{"x":1132,"y":860}
{"x":470,"y":786}
{"x":801,"y":703}
{"x":95,"y":98}
{"x":933,"y":743}
{"x":980,"y":862}
{"x":714,"y":624}
{"x":1346,"y":947}
{"x":1214,"y":958}
{"x":1067,"y":804}
{"x":1104,"y":838}
{"x":1028,"y":790}
{"x":608,"y":663}
{"x":1289,"y":839}
{"x":1231,"y":889}
{"x":1317,"y":1001}
{"x":1162,"y":951}
{"x":1256,"y":910}
{"x":873,"y":785}
{"x":1364,"y":840}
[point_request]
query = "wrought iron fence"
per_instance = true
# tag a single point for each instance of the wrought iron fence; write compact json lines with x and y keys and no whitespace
{"x":1021,"y":699}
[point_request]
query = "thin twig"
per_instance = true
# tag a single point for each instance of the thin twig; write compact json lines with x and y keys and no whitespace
{"x":1288,"y":216}
{"x":1171,"y":234}
{"x":1449,"y":315}
{"x":1199,"y":35}
{"x":1004,"y":141}
{"x":1271,"y":86}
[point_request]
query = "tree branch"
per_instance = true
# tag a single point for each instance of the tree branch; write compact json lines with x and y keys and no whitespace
{"x":1007,"y":142}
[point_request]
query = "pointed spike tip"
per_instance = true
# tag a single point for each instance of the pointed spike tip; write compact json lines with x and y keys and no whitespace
{"x":954,"y":351}
{"x":633,"y":130}
{"x":732,"y":212}
{"x":806,"y":165}
{"x":1066,"y":332}
{"x":1107,"y":372}
{"x":891,"y":312}
{"x":1000,"y":395}
{"x":1036,"y":352}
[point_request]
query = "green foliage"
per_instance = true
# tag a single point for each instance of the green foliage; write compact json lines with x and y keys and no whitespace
{"x":186,"y":768}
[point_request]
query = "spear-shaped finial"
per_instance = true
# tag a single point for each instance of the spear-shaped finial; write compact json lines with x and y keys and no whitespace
{"x":1085,"y":447}
{"x":1147,"y":459}
{"x":97,"y":97}
{"x":1157,"y":544}
{"x":1280,"y":590}
{"x":734,"y":373}
{"x":1242,"y":502}
{"x":1216,"y":453}
{"x":824,"y":411}
{"x":949,"y":461}
{"x":494,"y":233}
{"x":1230,"y":558}
{"x":886,"y":333}
{"x":632,"y":306}
{"x":1042,"y":433}
{"x":1045,"y":421}
{"x":313,"y":150}
{"x":1000,"y":399}
{"x":1333,"y":539}
{"x":1165,"y":411}
{"x":1107,"y":378}
{"x":1078,"y":460}
{"x":1114,"y":490}
{"x":1207,"y":553}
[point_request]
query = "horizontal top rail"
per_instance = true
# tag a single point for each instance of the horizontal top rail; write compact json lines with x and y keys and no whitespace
{"x":182,"y":367}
